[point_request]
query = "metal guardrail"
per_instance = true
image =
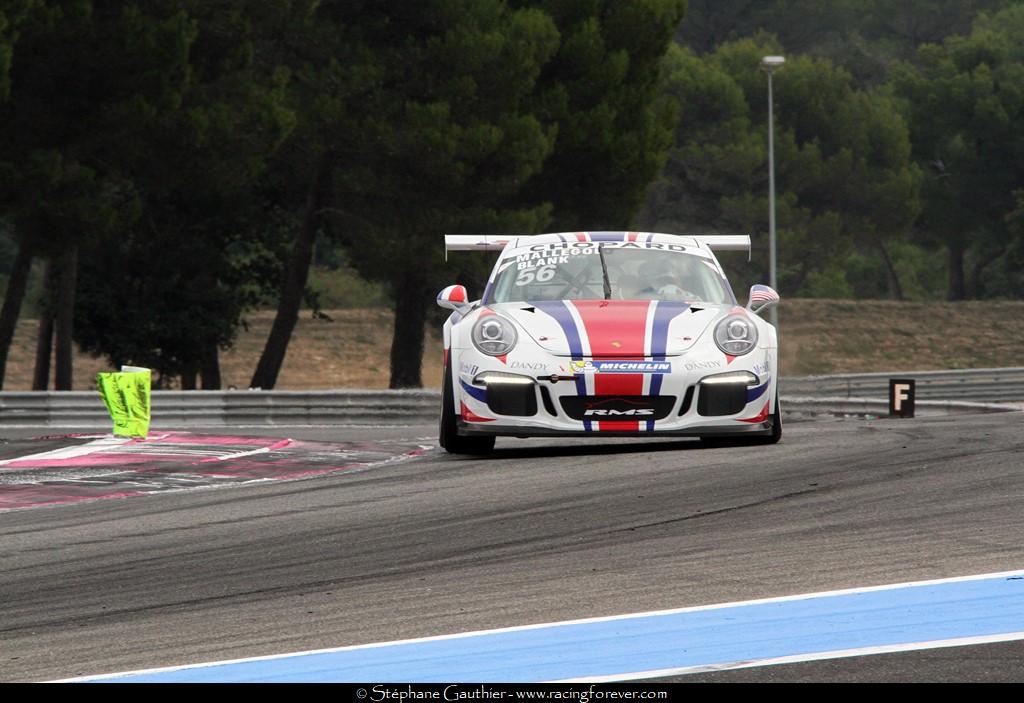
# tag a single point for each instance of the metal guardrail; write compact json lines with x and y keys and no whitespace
{"x":980,"y":385}
{"x":197,"y":408}
{"x":794,"y":407}
{"x":952,"y":391}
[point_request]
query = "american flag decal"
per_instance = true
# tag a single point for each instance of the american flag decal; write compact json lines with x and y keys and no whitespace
{"x":763,"y":294}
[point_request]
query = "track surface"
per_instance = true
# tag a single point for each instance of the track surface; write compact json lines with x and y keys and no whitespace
{"x":537,"y":533}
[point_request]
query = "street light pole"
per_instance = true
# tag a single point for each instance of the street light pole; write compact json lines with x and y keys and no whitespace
{"x":769,"y":64}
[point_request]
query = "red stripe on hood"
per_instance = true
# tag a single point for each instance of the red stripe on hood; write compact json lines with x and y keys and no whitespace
{"x":616,"y":330}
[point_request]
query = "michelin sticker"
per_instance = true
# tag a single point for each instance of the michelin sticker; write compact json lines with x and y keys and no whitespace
{"x":620,"y":367}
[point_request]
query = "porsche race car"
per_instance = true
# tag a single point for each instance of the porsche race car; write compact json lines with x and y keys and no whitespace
{"x":610,"y":334}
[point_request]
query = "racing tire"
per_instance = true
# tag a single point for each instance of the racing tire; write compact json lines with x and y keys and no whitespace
{"x":448,"y":429}
{"x":776,"y":432}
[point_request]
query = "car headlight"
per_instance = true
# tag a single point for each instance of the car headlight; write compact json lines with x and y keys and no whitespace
{"x":494,"y":335}
{"x":736,"y":335}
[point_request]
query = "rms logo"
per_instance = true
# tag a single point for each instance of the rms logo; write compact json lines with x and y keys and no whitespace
{"x":593,"y":409}
{"x":613,"y":411}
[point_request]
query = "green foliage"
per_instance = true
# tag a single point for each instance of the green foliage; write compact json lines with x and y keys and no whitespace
{"x":54,"y":192}
{"x":191,"y":123}
{"x":964,"y":101}
{"x":602,"y":97}
{"x":340,"y":288}
{"x":801,"y":25}
{"x":921,"y":272}
{"x":863,"y":36}
{"x":831,"y":282}
{"x":183,"y":145}
{"x":952,"y":68}
{"x":8,"y":248}
{"x":844,"y":177}
{"x":445,"y":144}
{"x":12,"y":16}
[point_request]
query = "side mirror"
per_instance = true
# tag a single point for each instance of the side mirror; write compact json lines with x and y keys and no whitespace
{"x":453,"y":297}
{"x":761,"y":298}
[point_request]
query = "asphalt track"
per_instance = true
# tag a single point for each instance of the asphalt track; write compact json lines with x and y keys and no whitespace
{"x":543,"y":531}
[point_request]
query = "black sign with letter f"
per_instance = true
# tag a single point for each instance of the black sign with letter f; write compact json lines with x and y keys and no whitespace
{"x":901,"y":397}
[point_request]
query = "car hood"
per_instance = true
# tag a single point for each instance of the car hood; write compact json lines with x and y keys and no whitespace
{"x":613,"y":328}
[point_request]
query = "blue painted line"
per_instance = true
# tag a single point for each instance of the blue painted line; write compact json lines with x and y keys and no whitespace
{"x":904,"y":614}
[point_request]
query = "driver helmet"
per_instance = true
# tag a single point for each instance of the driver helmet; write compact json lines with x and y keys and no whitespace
{"x":658,"y":273}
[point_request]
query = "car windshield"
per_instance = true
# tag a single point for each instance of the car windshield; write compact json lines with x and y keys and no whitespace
{"x":608,"y":272}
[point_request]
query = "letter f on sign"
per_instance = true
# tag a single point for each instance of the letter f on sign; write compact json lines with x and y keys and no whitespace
{"x":901,"y":397}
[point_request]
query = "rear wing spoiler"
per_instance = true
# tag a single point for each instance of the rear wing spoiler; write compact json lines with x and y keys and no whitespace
{"x":493,"y":242}
{"x":726,"y":242}
{"x":475,"y":242}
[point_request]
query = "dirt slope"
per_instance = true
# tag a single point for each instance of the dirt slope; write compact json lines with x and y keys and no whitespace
{"x":352,"y":350}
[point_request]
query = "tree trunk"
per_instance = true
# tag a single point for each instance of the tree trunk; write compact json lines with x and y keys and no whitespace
{"x":44,"y":335}
{"x":188,"y":378}
{"x":64,"y":318}
{"x":294,"y":285}
{"x":978,"y":272}
{"x":957,"y":283}
{"x":211,"y":367}
{"x":44,"y":351}
{"x":13,"y":298}
{"x":801,"y":277}
{"x":412,"y":300}
{"x":894,"y":280}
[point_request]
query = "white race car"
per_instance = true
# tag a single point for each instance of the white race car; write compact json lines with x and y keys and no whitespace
{"x":607,"y":333}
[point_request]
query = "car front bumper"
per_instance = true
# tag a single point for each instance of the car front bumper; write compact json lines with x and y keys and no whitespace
{"x":547,"y":395}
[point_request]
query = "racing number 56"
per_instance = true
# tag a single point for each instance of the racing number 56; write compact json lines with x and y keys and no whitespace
{"x":541,"y":275}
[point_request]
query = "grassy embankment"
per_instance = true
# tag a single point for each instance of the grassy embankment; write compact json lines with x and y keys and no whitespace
{"x":818,"y":336}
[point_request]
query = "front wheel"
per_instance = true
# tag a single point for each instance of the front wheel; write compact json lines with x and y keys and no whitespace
{"x":448,"y":436}
{"x":776,"y":434}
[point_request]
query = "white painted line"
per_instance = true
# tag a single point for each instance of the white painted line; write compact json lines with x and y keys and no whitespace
{"x":280,"y":444}
{"x":96,"y":445}
{"x":611,"y":618}
{"x":421,"y":450}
